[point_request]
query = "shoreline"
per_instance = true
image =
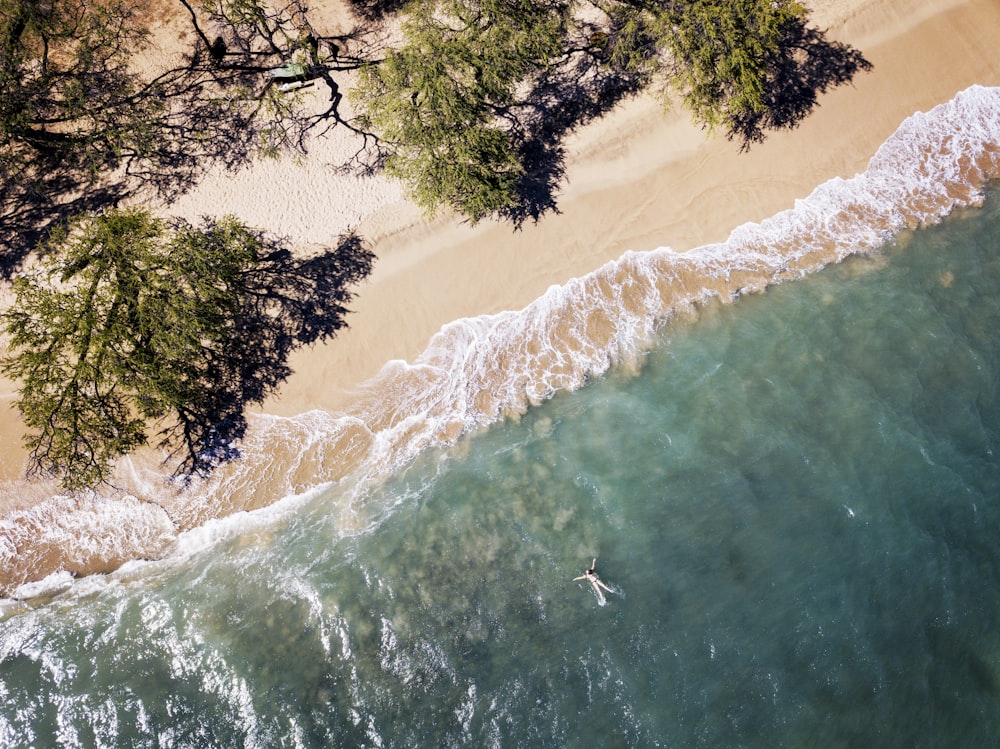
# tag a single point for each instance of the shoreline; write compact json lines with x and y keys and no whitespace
{"x":636,"y":180}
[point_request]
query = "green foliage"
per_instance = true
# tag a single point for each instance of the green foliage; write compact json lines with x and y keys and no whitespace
{"x":634,"y":39}
{"x":441,"y":101}
{"x":719,"y":52}
{"x":743,"y":66}
{"x":118,"y":327}
{"x":461,"y":106}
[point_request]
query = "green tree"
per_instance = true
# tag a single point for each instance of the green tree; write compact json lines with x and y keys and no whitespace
{"x":717,"y":53}
{"x":480,"y":92}
{"x":130,"y":321}
{"x":742,"y":66}
{"x":441,"y":102}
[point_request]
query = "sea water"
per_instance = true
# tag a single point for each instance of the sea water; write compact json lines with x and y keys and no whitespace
{"x":476,"y":372}
{"x":795,"y":500}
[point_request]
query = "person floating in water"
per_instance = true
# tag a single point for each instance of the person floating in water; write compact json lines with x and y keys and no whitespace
{"x":591,"y":576}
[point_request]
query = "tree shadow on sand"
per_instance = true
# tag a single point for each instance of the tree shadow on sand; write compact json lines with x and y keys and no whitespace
{"x":805,"y":65}
{"x":585,"y":87}
{"x":375,"y":10}
{"x":562,"y":99}
{"x":285,"y":302}
{"x":221,"y":105}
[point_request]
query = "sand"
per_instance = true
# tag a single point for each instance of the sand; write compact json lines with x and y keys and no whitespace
{"x":637,"y":179}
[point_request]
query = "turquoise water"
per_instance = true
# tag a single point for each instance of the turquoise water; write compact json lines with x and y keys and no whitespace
{"x":796,"y":501}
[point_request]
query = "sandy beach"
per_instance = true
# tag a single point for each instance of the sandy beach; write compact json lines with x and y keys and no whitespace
{"x":638,"y":179}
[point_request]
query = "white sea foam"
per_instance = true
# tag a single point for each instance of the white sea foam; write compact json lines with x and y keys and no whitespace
{"x":481,"y":369}
{"x":50,"y":585}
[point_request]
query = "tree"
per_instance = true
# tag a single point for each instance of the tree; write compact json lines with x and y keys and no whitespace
{"x":744,"y":66}
{"x":441,"y":103}
{"x":717,"y":52}
{"x":464,"y":106}
{"x":131,"y":321}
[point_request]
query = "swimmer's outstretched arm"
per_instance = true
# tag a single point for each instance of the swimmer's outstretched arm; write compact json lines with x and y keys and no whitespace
{"x":582,"y":577}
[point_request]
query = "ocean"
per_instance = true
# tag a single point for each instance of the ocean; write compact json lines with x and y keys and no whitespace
{"x":780,"y":451}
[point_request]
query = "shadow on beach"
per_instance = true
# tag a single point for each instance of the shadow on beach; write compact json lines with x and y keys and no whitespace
{"x":286,"y":302}
{"x":151,"y":138}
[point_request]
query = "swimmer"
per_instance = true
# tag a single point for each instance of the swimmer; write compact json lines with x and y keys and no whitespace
{"x":591,"y":576}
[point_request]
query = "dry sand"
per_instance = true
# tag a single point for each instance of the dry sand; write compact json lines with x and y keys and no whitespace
{"x":637,"y":179}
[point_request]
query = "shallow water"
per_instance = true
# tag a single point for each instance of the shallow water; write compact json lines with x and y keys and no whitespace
{"x":796,"y":500}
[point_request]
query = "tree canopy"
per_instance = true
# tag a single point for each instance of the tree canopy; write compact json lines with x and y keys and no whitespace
{"x":130,"y":320}
{"x":469,"y":109}
{"x":463,"y":105}
{"x":747,"y":66}
{"x":441,"y":102}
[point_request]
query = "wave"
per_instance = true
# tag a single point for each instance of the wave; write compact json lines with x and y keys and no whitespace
{"x":479,"y":370}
